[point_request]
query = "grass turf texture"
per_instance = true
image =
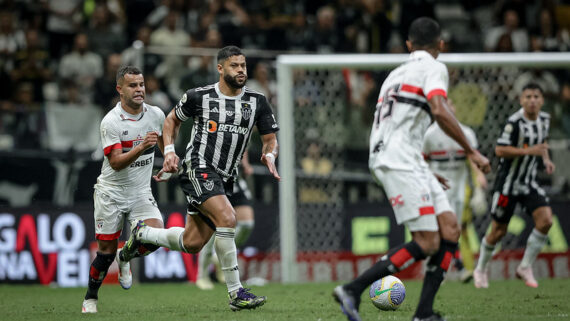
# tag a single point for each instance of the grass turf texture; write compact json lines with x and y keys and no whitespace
{"x":504,"y":300}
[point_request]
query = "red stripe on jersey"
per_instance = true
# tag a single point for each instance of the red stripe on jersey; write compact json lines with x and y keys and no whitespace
{"x":427,"y":210}
{"x":127,"y":143}
{"x":412,"y":89}
{"x":108,"y":237}
{"x":380,"y":99}
{"x":436,"y":92}
{"x":446,"y":260}
{"x":108,"y":149}
{"x":400,"y":257}
{"x":438,"y":153}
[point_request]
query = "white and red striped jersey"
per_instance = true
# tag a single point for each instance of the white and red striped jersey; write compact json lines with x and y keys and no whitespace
{"x":448,"y":159}
{"x":120,"y":129}
{"x":403,"y":114}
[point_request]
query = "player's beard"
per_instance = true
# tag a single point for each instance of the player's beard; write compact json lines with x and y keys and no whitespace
{"x":233,"y":82}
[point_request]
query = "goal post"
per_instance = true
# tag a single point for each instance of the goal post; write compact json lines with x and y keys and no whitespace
{"x":486,"y":70}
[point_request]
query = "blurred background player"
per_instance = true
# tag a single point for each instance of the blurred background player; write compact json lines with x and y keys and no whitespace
{"x":447,"y":159}
{"x":412,"y":96}
{"x":521,"y":147}
{"x":240,"y":198}
{"x":123,"y":189}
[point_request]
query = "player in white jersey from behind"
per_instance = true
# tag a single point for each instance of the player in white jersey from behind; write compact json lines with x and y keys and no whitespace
{"x":447,"y":159}
{"x":412,"y":96}
{"x":129,"y":134}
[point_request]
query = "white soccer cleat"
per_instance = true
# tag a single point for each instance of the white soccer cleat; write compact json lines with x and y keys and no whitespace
{"x":205,"y":283}
{"x":481,"y":278}
{"x":125,"y":275}
{"x":526,"y":275}
{"x":89,"y":306}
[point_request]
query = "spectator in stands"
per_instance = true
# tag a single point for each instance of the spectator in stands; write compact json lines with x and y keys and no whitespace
{"x":82,"y":66}
{"x":564,"y":107}
{"x":263,"y":83}
{"x":32,"y":65}
{"x":323,"y":36}
{"x":105,"y":92}
{"x":510,"y":27}
{"x":104,"y":36}
{"x":24,"y":118}
{"x":297,"y":35}
{"x":377,"y":25}
{"x":155,"y":95}
{"x":136,"y":13}
{"x":548,"y":37}
{"x":63,"y":22}
{"x":229,"y":17}
{"x":12,"y":40}
{"x":130,"y":57}
{"x":504,"y":44}
{"x":170,"y":36}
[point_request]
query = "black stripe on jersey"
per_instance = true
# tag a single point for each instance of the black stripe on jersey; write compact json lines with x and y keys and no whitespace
{"x":416,"y":103}
{"x":447,"y":159}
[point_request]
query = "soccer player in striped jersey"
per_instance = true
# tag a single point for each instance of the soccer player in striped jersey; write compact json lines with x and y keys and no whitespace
{"x":224,"y":114}
{"x":521,"y":147}
{"x":129,"y":134}
{"x":411,"y":97}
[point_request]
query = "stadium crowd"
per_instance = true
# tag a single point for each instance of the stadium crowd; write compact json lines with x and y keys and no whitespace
{"x":68,"y":51}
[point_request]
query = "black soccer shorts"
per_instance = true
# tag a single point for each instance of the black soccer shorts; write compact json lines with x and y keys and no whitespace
{"x":503,"y":206}
{"x":200,"y":184}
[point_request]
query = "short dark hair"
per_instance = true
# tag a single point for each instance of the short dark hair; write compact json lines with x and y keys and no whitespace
{"x":227,"y":52}
{"x":132,"y":70}
{"x":533,"y":86}
{"x":424,"y":31}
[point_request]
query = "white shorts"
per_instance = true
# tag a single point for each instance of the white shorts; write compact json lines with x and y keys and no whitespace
{"x":110,"y":214}
{"x":416,"y":197}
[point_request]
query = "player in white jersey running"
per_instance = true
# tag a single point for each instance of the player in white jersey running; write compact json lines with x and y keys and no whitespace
{"x":447,"y":159}
{"x":413,"y":95}
{"x":129,"y":134}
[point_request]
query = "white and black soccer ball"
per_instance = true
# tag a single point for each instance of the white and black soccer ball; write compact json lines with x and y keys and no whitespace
{"x":388,"y":293}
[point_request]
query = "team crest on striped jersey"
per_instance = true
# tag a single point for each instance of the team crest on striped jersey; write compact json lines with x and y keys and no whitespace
{"x":209,"y":184}
{"x":246,"y":111}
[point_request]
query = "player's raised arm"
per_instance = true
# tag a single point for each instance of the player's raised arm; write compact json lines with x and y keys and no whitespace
{"x":450,"y":126}
{"x":270,"y":150}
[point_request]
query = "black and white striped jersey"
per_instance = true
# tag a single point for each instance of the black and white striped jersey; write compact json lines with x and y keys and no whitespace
{"x":222,"y":126}
{"x":517,"y":176}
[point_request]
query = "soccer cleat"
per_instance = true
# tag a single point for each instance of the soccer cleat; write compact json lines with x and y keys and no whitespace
{"x":465,"y":276}
{"x":89,"y":306}
{"x":125,"y":275}
{"x":433,"y":317}
{"x":348,"y":303}
{"x":243,"y":299}
{"x":480,"y":278}
{"x":130,"y":248}
{"x":205,"y":283}
{"x":526,"y":275}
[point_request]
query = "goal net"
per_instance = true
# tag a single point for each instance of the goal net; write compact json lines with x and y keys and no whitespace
{"x":325,"y":110}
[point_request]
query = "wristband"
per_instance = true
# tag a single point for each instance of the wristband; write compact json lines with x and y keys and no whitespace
{"x":270,"y":155}
{"x":169,"y":149}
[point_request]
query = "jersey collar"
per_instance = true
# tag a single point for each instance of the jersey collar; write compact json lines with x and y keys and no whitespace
{"x":420,"y":54}
{"x":123,"y":115}
{"x":219,"y":92}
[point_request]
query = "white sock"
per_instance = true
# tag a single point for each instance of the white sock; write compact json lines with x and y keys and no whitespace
{"x":535,"y":242}
{"x":485,"y":254}
{"x":205,"y":258}
{"x":243,"y":231}
{"x":170,"y":238}
{"x":226,"y":251}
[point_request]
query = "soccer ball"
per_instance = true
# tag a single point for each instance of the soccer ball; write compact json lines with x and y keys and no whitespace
{"x":388,"y":293}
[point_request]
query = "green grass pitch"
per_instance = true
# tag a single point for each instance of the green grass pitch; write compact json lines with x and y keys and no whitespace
{"x":504,"y":300}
